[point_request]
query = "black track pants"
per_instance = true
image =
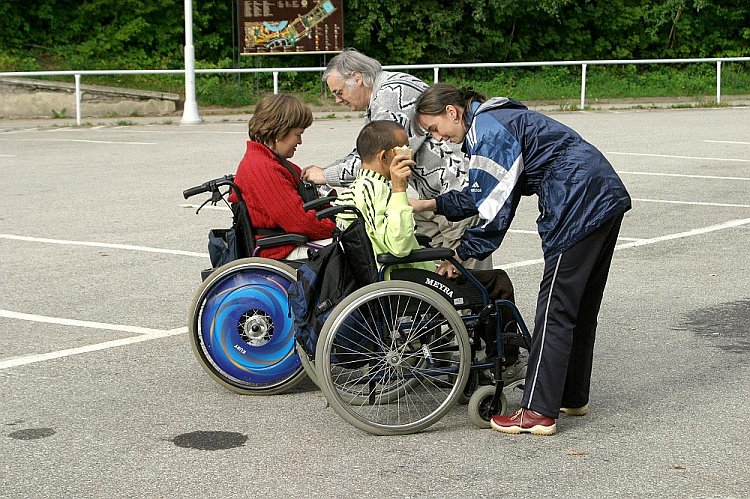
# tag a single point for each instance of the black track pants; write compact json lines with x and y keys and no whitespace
{"x":562,"y":346}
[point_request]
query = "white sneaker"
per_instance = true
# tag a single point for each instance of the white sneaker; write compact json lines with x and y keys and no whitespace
{"x":575,"y":411}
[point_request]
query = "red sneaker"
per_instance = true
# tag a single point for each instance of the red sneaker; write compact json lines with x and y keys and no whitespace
{"x":524,"y":421}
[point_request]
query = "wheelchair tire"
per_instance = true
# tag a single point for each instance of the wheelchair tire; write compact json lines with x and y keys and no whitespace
{"x":480,"y":406}
{"x":393,"y":358}
{"x":241,"y":330}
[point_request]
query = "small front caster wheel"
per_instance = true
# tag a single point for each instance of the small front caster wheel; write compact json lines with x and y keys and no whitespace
{"x":480,"y":406}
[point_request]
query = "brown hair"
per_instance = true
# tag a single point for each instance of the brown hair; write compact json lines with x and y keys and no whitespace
{"x":434,"y":100}
{"x":275,"y":116}
{"x":377,"y":136}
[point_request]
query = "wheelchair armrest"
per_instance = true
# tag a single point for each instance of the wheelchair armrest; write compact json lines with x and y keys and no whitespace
{"x":270,"y":241}
{"x":335,"y":210}
{"x":423,"y":240}
{"x":418,"y":255}
{"x":318,"y":203}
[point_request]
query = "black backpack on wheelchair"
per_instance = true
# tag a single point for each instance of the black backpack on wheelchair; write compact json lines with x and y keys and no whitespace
{"x":330,"y":275}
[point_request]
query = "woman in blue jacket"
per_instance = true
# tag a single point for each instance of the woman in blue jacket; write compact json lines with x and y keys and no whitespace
{"x":516,"y":152}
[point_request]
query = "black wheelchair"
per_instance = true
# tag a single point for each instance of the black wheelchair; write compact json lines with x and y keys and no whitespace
{"x":392,"y":358}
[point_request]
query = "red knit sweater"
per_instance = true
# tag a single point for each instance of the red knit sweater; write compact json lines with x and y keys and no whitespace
{"x":271,"y":196}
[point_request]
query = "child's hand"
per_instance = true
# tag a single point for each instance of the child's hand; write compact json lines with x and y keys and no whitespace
{"x":400,"y":172}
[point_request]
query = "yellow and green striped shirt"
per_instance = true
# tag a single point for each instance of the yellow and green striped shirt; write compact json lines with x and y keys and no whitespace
{"x":388,"y":217}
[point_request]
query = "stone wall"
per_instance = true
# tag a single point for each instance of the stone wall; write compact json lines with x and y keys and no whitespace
{"x":27,"y":98}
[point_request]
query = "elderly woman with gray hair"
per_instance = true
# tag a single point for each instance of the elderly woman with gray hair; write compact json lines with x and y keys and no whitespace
{"x":360,"y":82}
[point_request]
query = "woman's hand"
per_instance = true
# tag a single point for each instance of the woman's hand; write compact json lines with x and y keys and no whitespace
{"x":420,"y":205}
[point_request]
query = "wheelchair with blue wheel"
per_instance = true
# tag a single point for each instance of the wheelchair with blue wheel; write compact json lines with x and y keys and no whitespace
{"x":239,"y":322}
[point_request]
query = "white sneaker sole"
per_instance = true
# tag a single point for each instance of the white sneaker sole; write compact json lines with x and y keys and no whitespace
{"x":534,"y":430}
{"x":575,"y":411}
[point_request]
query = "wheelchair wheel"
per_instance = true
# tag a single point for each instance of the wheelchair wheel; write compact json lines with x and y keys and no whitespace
{"x":480,"y":406}
{"x":241,"y":330}
{"x":393,"y":358}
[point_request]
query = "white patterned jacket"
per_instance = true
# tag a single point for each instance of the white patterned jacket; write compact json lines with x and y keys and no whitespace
{"x":439,"y":168}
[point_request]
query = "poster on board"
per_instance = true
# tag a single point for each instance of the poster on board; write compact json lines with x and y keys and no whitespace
{"x":291,"y":26}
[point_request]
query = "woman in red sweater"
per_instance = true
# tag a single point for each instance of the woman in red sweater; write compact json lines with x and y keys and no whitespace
{"x":268,"y":187}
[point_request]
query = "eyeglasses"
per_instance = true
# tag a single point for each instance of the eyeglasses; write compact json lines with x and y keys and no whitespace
{"x":338,"y":93}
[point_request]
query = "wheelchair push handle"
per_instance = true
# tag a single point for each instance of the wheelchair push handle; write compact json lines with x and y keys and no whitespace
{"x":210,"y":186}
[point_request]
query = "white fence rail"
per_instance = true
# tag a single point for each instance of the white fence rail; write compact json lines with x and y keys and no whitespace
{"x":435,"y":68}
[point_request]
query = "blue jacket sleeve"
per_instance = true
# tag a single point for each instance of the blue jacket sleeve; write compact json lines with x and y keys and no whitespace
{"x":482,"y":240}
{"x":495,"y":168}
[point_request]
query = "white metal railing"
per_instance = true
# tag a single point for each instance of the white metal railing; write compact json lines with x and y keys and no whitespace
{"x":435,"y":68}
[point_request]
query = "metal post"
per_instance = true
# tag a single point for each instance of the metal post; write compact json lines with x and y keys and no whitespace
{"x":190,"y":114}
{"x":583,"y":86}
{"x":78,"y":99}
{"x":275,"y":82}
{"x":435,"y":72}
{"x":718,"y":82}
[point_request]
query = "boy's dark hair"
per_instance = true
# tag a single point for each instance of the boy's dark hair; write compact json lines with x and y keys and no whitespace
{"x":377,"y":136}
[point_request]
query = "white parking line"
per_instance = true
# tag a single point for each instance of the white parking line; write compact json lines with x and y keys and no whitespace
{"x":536,"y":233}
{"x":696,"y":203}
{"x":644,"y":242}
{"x":102,"y":245}
{"x":83,"y":140}
{"x":30,"y":359}
{"x":73,"y":322}
{"x":7,"y":155}
{"x":677,"y":157}
{"x":727,"y":142}
{"x":620,"y":172}
{"x":690,"y":233}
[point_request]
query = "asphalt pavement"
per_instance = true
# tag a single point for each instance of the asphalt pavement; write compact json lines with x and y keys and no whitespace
{"x":102,"y":397}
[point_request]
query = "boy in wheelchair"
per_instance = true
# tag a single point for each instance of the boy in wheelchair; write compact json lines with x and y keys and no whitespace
{"x":379,"y":193}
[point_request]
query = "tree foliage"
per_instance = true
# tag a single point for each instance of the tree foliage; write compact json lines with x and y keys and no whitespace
{"x":142,"y":34}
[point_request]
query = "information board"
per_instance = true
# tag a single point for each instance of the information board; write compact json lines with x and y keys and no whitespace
{"x":291,"y":26}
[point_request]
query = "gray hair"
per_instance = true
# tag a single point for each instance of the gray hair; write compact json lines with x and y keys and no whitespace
{"x":351,"y":61}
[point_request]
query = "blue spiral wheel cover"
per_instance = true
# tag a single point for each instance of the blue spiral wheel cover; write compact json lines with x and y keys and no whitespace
{"x":260,"y":293}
